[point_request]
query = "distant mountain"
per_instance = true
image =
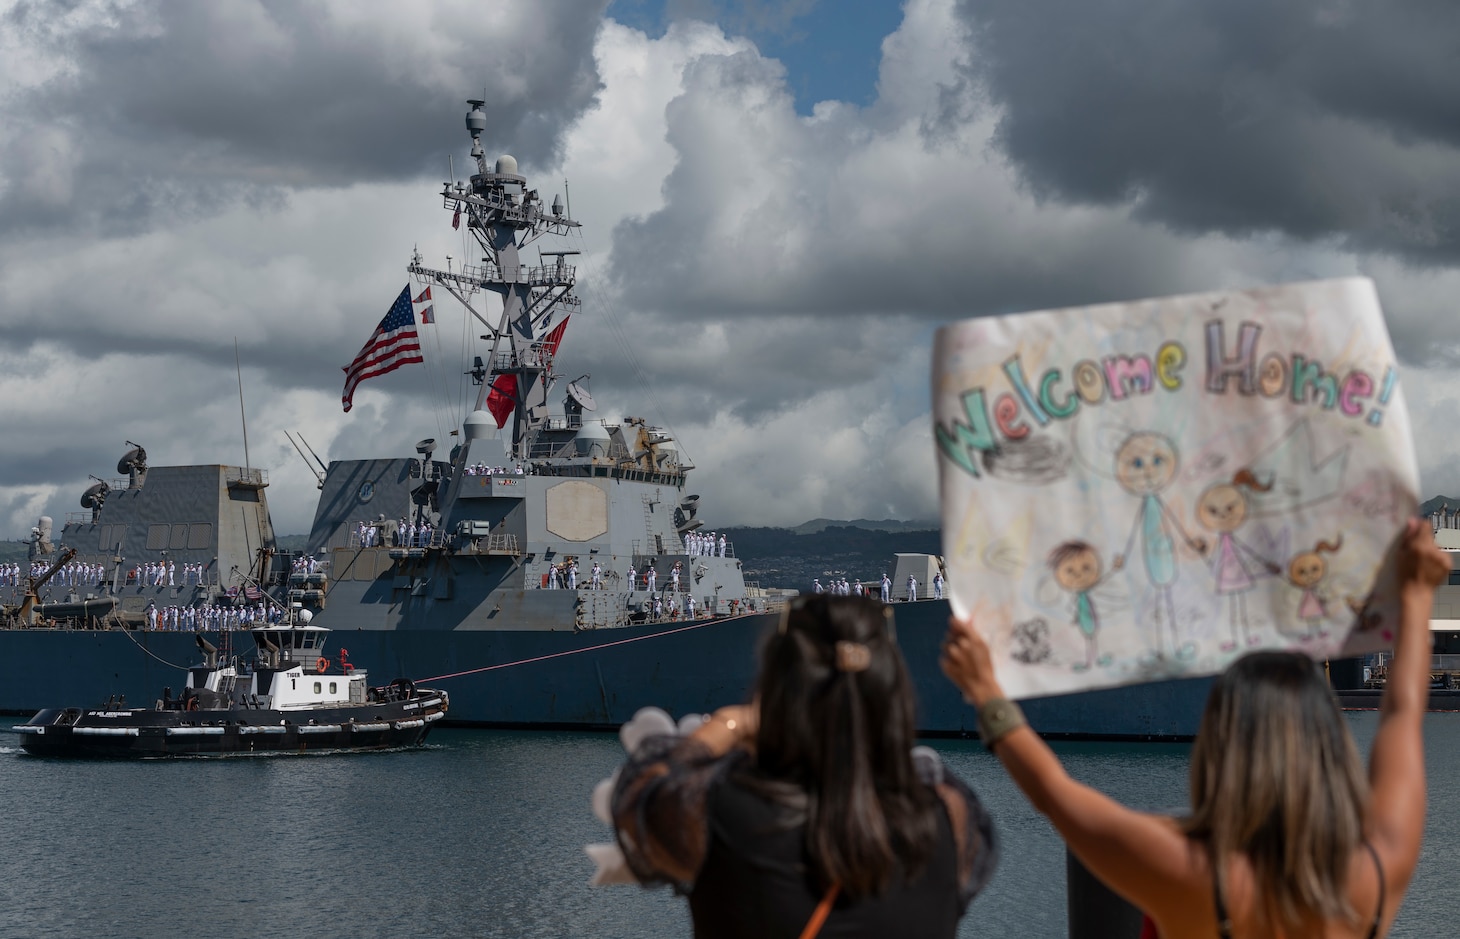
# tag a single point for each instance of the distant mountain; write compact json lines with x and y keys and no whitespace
{"x":292,"y":542}
{"x":791,"y":557}
{"x":886,"y":524}
{"x":1430,"y":505}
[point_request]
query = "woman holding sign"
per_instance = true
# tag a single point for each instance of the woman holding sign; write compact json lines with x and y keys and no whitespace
{"x":1286,"y":836}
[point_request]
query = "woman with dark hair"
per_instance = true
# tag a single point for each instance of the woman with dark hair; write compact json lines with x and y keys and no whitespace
{"x":809,"y":810}
{"x":1286,"y":836}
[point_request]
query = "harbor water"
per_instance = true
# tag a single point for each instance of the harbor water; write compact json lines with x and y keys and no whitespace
{"x":481,"y":833}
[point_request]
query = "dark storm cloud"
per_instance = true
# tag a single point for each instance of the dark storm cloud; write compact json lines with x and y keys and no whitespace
{"x":1317,"y":119}
{"x":175,"y":109}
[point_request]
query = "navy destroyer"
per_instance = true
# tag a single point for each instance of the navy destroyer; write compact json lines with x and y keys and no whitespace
{"x":544,"y":566}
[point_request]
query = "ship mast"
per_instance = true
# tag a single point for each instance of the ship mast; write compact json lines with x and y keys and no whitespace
{"x":504,"y":217}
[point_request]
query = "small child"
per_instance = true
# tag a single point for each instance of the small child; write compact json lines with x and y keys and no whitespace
{"x":1306,"y":571}
{"x":1078,"y":570}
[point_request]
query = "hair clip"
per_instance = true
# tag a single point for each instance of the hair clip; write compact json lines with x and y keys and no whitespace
{"x":852,"y":656}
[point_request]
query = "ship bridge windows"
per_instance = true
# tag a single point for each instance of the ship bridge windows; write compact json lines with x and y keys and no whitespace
{"x":195,"y":536}
{"x":112,"y":537}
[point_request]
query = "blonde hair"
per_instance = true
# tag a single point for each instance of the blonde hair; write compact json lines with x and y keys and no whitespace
{"x":1275,"y":777}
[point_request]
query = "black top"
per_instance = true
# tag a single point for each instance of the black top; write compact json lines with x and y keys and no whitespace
{"x":1224,"y":922}
{"x":702,"y":825}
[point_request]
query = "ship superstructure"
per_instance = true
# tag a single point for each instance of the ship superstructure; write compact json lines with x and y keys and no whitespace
{"x":506,"y":530}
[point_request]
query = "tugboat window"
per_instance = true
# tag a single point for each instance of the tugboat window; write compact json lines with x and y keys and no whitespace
{"x":332,"y":687}
{"x":316,"y":687}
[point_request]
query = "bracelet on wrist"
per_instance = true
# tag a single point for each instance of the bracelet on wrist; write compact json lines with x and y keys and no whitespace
{"x":997,"y":718}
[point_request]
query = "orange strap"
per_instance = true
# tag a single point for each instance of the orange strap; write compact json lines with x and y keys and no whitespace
{"x":819,"y":915}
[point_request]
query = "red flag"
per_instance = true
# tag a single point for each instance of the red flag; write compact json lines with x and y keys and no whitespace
{"x":425,"y":296}
{"x":503,"y":398}
{"x":552,"y":340}
{"x":428,"y":315}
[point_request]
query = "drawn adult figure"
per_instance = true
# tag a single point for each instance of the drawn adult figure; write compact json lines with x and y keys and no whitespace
{"x":1145,"y":465}
{"x":1222,"y":509}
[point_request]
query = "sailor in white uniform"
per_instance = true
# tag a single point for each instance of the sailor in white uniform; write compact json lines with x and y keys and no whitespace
{"x":722,"y":546}
{"x":912,"y":587}
{"x":650,"y":576}
{"x":572,"y":575}
{"x":632,"y":575}
{"x":597,"y":575}
{"x":938,"y":586}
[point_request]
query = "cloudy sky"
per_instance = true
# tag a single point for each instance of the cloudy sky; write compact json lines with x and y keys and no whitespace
{"x":780,"y":204}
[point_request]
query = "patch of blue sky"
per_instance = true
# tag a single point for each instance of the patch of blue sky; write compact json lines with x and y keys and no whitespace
{"x":831,"y":49}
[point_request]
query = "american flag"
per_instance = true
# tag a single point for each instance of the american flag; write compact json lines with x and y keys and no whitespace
{"x":393,"y":344}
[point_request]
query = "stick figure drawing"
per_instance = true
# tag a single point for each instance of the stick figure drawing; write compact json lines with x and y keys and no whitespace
{"x":1306,"y":571}
{"x":1222,"y":509}
{"x":1145,"y":465}
{"x":1077,"y":570}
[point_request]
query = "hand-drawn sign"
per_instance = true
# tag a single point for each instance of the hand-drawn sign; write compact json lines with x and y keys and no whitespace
{"x":1136,"y":491}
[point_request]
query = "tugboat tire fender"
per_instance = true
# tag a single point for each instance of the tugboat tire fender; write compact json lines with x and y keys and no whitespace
{"x":193,"y":703}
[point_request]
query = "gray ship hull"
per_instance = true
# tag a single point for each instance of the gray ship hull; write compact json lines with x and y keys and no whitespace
{"x":587,"y":679}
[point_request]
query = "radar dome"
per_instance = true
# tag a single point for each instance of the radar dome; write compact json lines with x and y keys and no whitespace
{"x":478,"y":424}
{"x":506,"y":163}
{"x":592,"y":439}
{"x":303,"y":616}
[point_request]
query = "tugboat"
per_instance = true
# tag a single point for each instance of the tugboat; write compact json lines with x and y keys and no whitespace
{"x":291,"y":699}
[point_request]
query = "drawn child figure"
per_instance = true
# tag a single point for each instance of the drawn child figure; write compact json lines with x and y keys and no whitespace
{"x":1077,"y":569}
{"x":1145,"y":465}
{"x":1223,"y":509}
{"x":1306,"y":571}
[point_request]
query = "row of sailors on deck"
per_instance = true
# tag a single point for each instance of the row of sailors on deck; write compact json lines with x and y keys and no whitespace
{"x":669,"y":608}
{"x":845,"y":589}
{"x":209,"y":616}
{"x":565,"y":576}
{"x":407,"y":535}
{"x":165,"y":574}
{"x":481,"y":469}
{"x":305,"y":564}
{"x":698,"y":545}
{"x":74,"y":573}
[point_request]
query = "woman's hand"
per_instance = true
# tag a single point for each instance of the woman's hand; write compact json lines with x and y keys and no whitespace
{"x":730,"y":727}
{"x":1422,"y":565}
{"x":967,"y":664}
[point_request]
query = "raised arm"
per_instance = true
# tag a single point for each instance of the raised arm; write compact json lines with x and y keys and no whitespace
{"x":1396,"y":811}
{"x":1144,"y":858}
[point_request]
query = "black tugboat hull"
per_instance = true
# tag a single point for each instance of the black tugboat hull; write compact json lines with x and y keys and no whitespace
{"x":134,"y":734}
